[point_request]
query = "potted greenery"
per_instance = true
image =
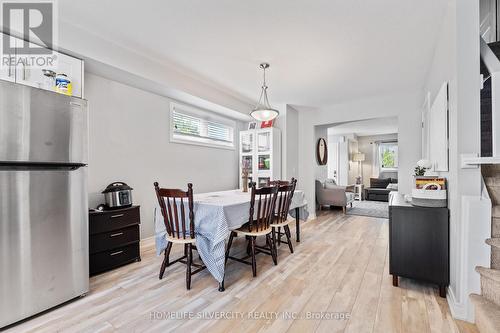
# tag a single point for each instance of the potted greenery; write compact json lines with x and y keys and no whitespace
{"x":422,"y":167}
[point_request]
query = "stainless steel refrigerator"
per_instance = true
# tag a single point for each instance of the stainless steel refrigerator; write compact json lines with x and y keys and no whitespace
{"x":43,"y":200}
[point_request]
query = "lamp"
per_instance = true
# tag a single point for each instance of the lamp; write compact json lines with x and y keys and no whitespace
{"x":359,"y":157}
{"x":263,"y":110}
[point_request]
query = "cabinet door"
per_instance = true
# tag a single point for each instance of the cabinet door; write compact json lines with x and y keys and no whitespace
{"x":246,"y":143}
{"x":7,"y":69}
{"x":247,"y":159}
{"x":28,"y":74}
{"x":419,"y":243}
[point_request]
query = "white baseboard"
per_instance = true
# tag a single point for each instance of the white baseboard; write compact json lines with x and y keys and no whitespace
{"x":459,"y":310}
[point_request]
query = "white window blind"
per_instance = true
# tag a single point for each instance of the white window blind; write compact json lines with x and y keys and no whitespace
{"x":197,"y":126}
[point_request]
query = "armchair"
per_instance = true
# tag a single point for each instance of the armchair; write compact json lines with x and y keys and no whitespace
{"x":334,"y":195}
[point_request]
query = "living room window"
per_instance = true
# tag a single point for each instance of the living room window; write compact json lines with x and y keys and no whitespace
{"x":195,"y":126}
{"x":388,"y":154}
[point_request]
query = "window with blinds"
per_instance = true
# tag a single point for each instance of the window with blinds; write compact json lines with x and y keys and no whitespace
{"x":196,"y":126}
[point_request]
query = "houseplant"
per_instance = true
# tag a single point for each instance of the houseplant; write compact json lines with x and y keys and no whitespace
{"x":422,"y":167}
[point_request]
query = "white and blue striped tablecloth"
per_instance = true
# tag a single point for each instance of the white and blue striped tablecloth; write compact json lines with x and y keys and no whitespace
{"x":215,"y":215}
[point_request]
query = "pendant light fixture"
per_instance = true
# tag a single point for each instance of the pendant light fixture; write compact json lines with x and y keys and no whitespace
{"x":263,"y":110}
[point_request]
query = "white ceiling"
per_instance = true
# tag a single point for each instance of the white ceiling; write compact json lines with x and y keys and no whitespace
{"x":321,"y":52}
{"x":376,"y":126}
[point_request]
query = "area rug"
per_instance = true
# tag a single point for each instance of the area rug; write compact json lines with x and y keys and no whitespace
{"x":369,"y":208}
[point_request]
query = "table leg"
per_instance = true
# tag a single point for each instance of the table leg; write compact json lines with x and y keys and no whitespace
{"x":297,"y":225}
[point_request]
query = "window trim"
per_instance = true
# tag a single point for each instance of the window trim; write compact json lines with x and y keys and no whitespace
{"x":205,"y":114}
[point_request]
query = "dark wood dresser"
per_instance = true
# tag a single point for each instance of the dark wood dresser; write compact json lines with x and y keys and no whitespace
{"x":114,"y":238}
{"x":419,"y":243}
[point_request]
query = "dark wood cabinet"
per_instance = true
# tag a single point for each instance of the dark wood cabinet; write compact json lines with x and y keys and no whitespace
{"x":114,"y":238}
{"x":419,"y":243}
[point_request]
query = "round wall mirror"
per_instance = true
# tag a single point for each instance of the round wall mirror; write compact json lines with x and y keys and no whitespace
{"x":321,"y":152}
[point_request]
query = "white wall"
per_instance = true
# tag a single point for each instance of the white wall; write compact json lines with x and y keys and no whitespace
{"x":290,"y":141}
{"x":406,"y":106}
{"x":129,"y":141}
{"x":365,"y":146}
{"x":456,"y":60}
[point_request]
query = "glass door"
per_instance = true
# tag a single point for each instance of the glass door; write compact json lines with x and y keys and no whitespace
{"x":246,"y":143}
{"x":263,"y":152}
{"x":264,"y":162}
{"x":264,"y":142}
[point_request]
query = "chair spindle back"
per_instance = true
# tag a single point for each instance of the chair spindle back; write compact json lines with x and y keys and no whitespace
{"x":285,"y":194}
{"x":173,"y":209}
{"x":265,"y":198}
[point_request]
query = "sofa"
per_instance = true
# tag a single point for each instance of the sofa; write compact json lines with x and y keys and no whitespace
{"x":330,"y":194}
{"x":380,"y":188}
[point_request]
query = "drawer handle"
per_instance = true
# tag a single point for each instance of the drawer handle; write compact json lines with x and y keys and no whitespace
{"x":115,"y":253}
{"x":117,"y":215}
{"x":116,"y":235}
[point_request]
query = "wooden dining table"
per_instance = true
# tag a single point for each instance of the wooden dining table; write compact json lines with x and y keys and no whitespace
{"x":215,"y":215}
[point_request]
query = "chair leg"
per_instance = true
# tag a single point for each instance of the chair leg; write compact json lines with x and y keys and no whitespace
{"x":189,"y":261}
{"x":249,"y":247}
{"x":344,"y":210}
{"x":254,"y":263}
{"x":229,"y":243}
{"x":289,"y":238}
{"x":165,"y":262}
{"x":271,"y":249}
{"x":273,"y":236}
{"x":279,"y":235}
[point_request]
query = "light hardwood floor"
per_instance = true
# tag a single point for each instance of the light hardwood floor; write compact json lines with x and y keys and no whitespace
{"x":337,"y":280}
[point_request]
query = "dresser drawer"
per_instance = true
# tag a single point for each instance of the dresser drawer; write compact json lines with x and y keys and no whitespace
{"x":113,"y":239}
{"x":113,"y":220}
{"x":103,"y":261}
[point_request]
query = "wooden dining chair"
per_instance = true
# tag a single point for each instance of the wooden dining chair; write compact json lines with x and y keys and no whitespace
{"x":173,"y":210}
{"x":285,"y":194}
{"x":262,"y":205}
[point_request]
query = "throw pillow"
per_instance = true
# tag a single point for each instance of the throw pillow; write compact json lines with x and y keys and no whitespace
{"x":330,"y":183}
{"x":331,"y":186}
{"x":392,"y":186}
{"x":379,"y":182}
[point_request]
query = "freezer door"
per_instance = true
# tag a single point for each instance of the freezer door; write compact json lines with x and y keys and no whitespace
{"x":43,"y":240}
{"x":41,"y":126}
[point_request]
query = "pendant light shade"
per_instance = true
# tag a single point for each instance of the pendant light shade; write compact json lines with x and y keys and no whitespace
{"x":263,"y":110}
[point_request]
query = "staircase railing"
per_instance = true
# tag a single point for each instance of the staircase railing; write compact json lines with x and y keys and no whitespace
{"x":492,"y":63}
